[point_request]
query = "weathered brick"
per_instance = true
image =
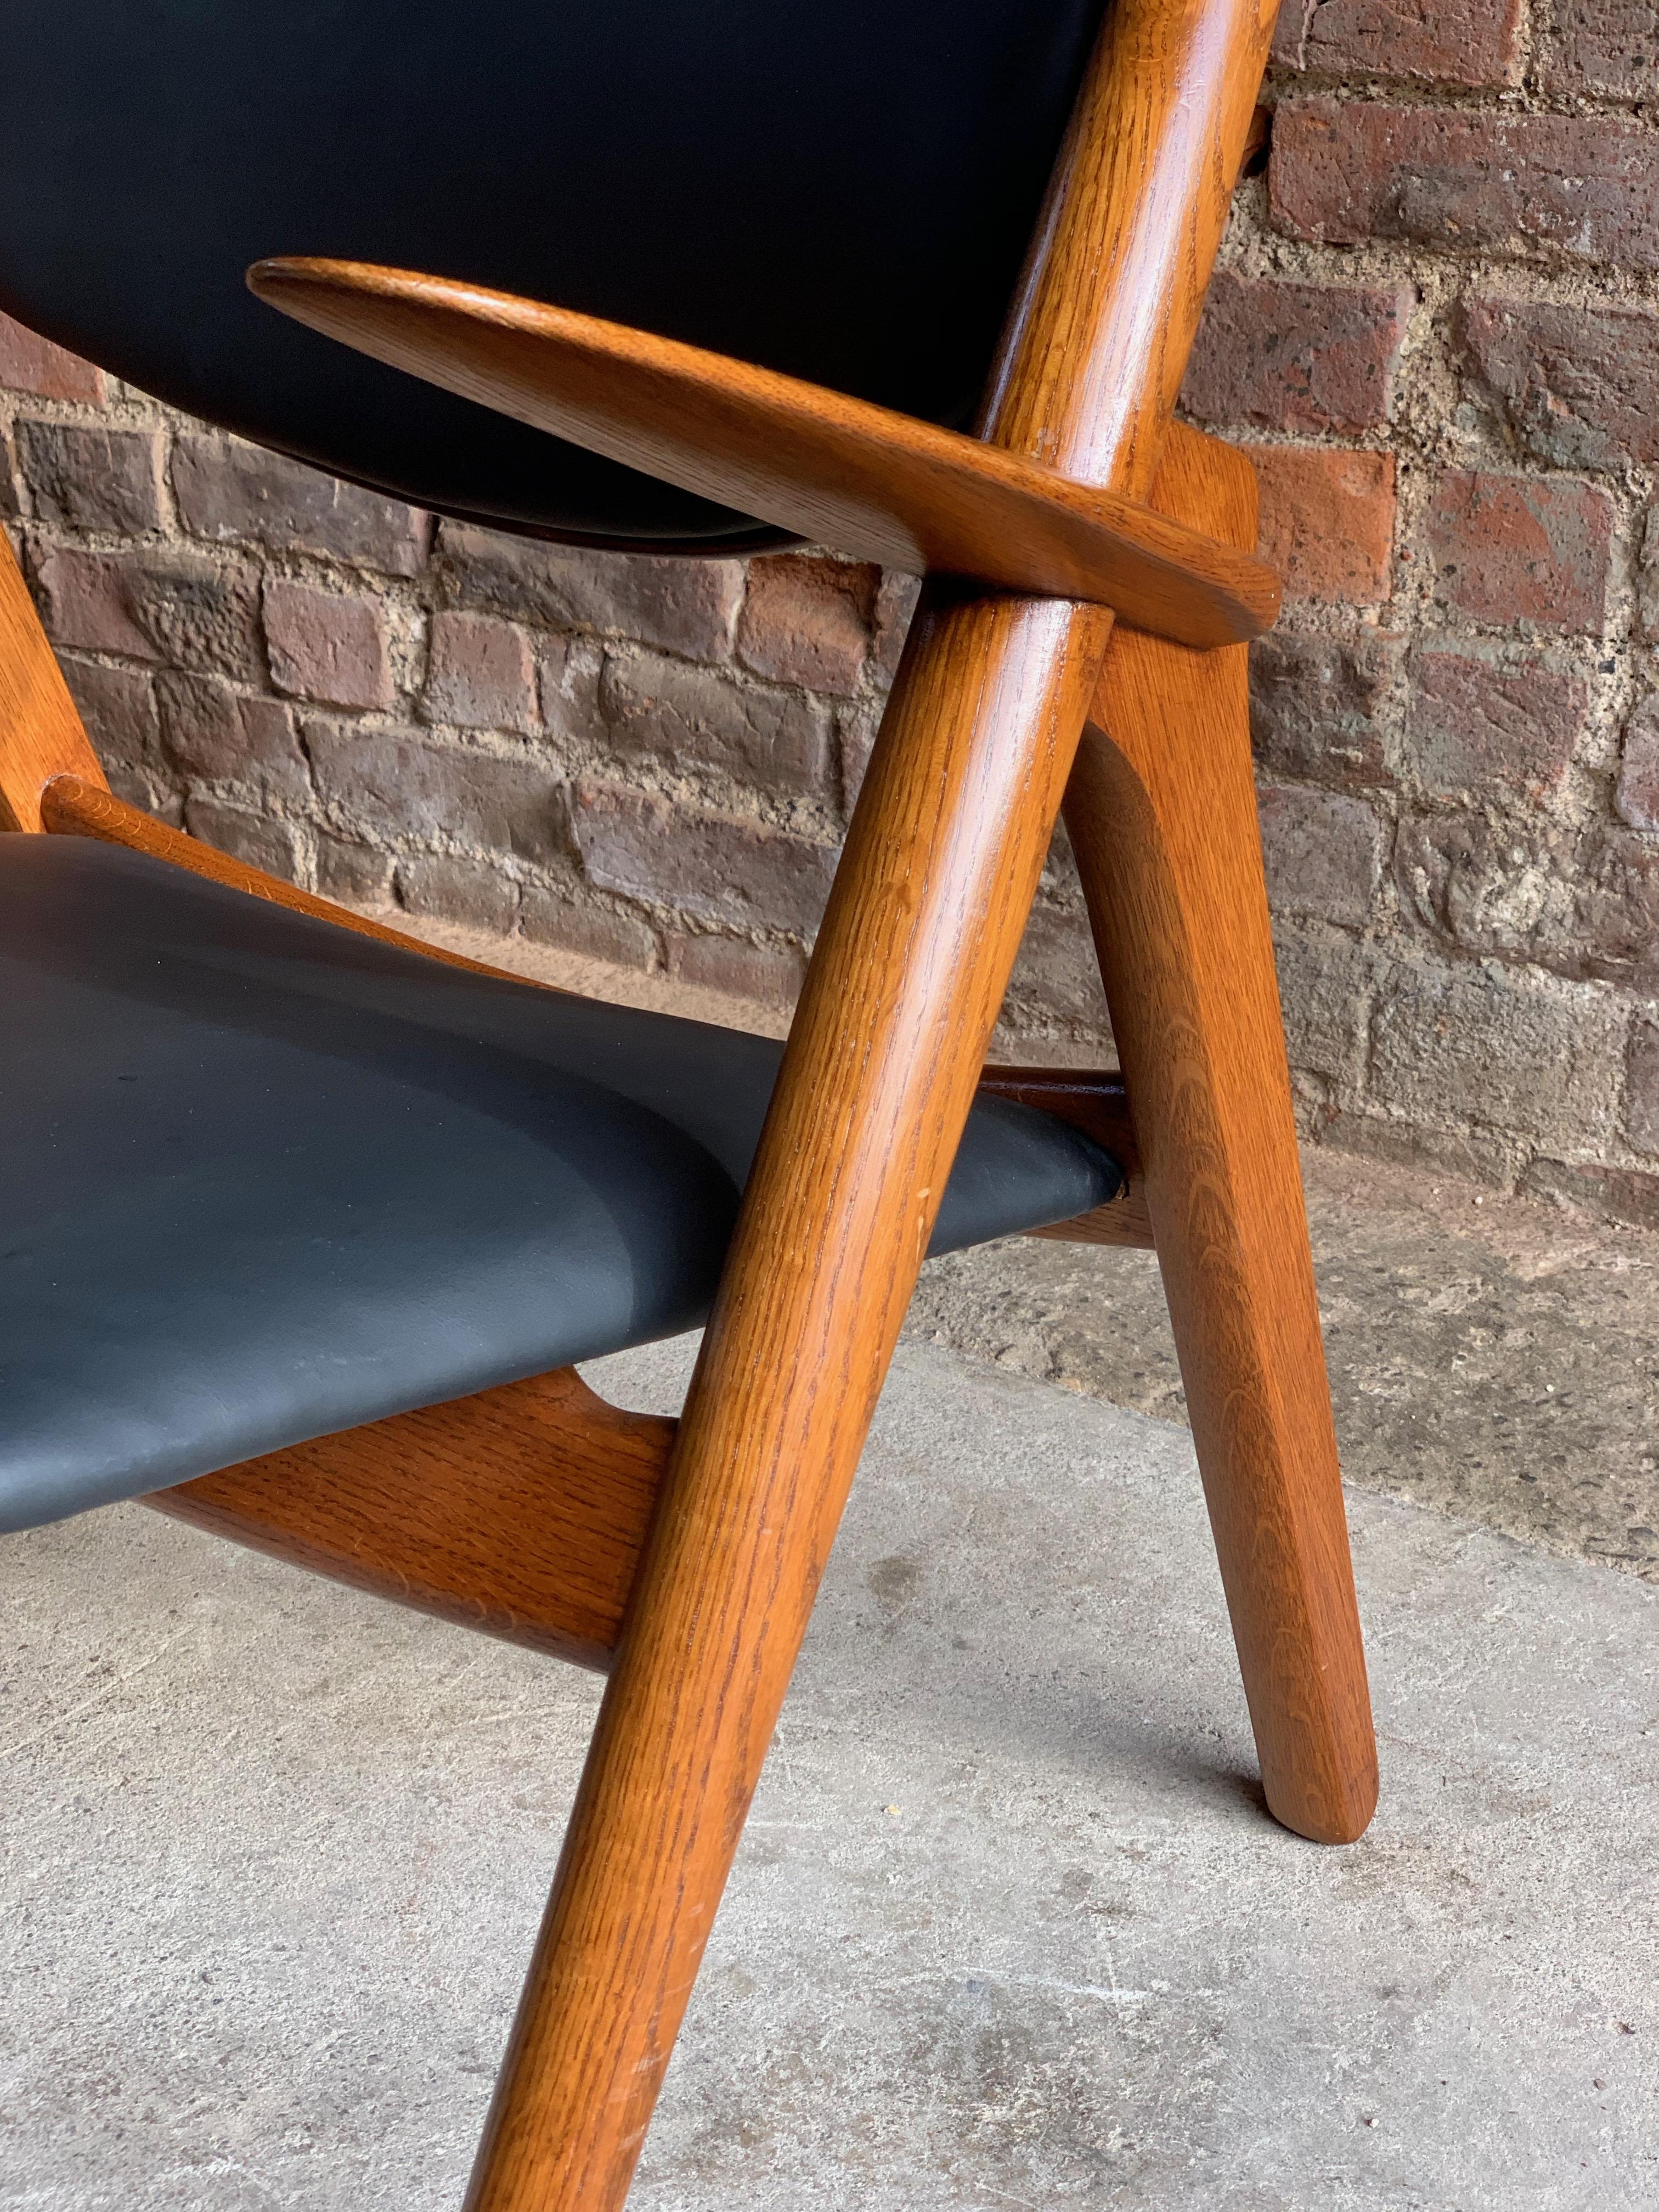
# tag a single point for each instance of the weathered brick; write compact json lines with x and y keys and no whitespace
{"x":807,"y":620}
{"x":1647,"y":575}
{"x":1527,"y":548}
{"x":1638,"y":797}
{"x":1587,"y":186}
{"x":1607,"y":46}
{"x":1055,"y":970}
{"x":1483,"y":1044}
{"x":1478,"y":723}
{"x":327,"y":645}
{"x":694,"y":718}
{"x":588,"y":929}
{"x":228,"y":491}
{"x":1316,"y":702}
{"x":117,"y":706}
{"x":457,"y":891}
{"x":896,"y":607}
{"x":1473,"y":42}
{"x":1324,"y":979}
{"x":1322,"y":851}
{"x":1584,"y":901}
{"x":766,"y":975}
{"x":1623,"y":1195}
{"x":11,"y":503}
{"x":32,"y":364}
{"x":89,"y":477}
{"x":355,"y":875}
{"x":1327,"y":521}
{"x":154,"y":603}
{"x":717,"y":867}
{"x":480,"y":674}
{"x":1296,"y":357}
{"x":216,"y":735}
{"x":688,"y":607}
{"x":395,"y":784}
{"x":568,"y":671}
{"x":1642,"y":1086}
{"x":259,"y":839}
{"x":1574,"y":386}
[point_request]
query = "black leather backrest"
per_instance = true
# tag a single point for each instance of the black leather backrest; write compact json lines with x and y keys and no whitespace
{"x":843,"y":189}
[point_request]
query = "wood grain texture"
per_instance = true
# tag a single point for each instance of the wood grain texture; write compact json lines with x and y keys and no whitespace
{"x":1162,"y":816}
{"x":837,"y":471}
{"x":41,"y":732}
{"x":950,"y":829}
{"x":520,"y":1512}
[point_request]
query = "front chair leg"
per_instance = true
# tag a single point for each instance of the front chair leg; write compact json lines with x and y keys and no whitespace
{"x":1162,"y":814}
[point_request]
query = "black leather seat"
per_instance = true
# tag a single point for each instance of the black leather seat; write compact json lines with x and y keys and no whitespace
{"x":267,"y":1179}
{"x":843,"y":192}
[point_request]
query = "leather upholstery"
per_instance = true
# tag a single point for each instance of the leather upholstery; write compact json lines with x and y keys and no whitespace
{"x":843,"y":192}
{"x":267,"y":1178}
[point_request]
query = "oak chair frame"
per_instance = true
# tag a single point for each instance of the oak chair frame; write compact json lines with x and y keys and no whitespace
{"x":684,"y":1556}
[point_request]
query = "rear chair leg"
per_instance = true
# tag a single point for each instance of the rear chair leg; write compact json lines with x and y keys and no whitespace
{"x":1162,"y":814}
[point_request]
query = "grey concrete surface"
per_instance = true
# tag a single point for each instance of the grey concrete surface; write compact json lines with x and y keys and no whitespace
{"x":1009,"y":1928}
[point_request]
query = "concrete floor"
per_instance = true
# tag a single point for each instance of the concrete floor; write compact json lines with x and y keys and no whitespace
{"x":1009,"y":1928}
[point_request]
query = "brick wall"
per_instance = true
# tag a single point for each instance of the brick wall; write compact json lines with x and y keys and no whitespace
{"x":1436,"y":327}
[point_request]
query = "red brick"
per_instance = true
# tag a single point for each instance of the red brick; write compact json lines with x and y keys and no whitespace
{"x":1623,"y":1195}
{"x":228,"y":491}
{"x":11,"y":505}
{"x":1477,"y":724}
{"x":1638,"y":773}
{"x":590,"y":931}
{"x":1327,"y":521}
{"x":1642,"y":1087}
{"x":1586,"y":185}
{"x":807,"y":621}
{"x":354,"y":874}
{"x":766,"y":975}
{"x":1316,"y":702}
{"x":326,"y":646}
{"x":688,"y":607}
{"x":1647,"y":575}
{"x":393,"y":784}
{"x":117,"y":706}
{"x":91,"y":477}
{"x":154,"y":604}
{"x":1474,"y":42}
{"x":258,"y":839}
{"x":212,"y":734}
{"x":717,"y":867}
{"x":695,"y":719}
{"x":480,"y":674}
{"x":468,"y":891}
{"x":1606,"y":46}
{"x":32,"y":364}
{"x":1296,"y":356}
{"x":1575,"y":386}
{"x":1521,"y":549}
{"x":1324,"y":851}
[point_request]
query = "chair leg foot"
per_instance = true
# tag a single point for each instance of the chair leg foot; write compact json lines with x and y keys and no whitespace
{"x":1162,"y":814}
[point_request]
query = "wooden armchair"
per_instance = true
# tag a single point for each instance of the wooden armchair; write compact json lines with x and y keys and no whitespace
{"x":311,"y":1223}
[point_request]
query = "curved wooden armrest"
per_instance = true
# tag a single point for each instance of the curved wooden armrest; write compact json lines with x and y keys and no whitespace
{"x":839,"y":471}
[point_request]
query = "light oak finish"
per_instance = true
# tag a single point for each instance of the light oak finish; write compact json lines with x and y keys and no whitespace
{"x":520,"y":1512}
{"x":838,"y":470}
{"x":1162,"y":817}
{"x":949,"y":835}
{"x":41,"y":732}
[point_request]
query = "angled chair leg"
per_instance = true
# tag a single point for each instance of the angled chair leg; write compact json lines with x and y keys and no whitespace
{"x":1162,"y":814}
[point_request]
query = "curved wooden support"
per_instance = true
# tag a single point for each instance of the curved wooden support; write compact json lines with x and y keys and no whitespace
{"x":941,"y":863}
{"x":837,"y":471}
{"x":1161,"y":815}
{"x":41,"y":732}
{"x":520,"y":1512}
